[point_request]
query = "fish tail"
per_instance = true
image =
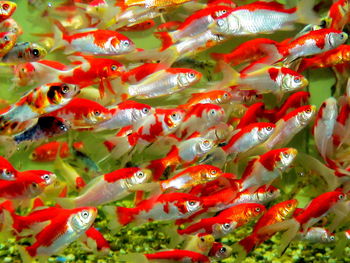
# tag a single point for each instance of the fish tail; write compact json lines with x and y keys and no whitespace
{"x":230,"y":76}
{"x":58,"y":32}
{"x":306,"y":14}
{"x":248,"y":244}
{"x":68,"y":203}
{"x":121,"y":147}
{"x":165,"y":38}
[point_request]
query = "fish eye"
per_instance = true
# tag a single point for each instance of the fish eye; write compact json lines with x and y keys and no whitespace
{"x":5,"y":6}
{"x":341,"y":36}
{"x":222,"y":250}
{"x":63,"y":127}
{"x":224,"y":11}
{"x":85,"y":214}
{"x":206,"y":143}
{"x":227,"y":225}
{"x":126,"y":43}
{"x":6,"y":38}
{"x":332,"y":238}
{"x":323,"y":24}
{"x":308,"y":111}
{"x":192,"y":203}
{"x":225,"y":95}
{"x":114,"y":67}
{"x":213,"y":112}
{"x":65,"y":89}
{"x":97,"y":113}
{"x":140,"y":174}
{"x":45,"y":177}
{"x":341,"y":197}
{"x":297,"y":79}
{"x":289,"y":205}
{"x":35,"y":52}
{"x":191,"y":75}
{"x":145,"y":110}
{"x":286,"y":155}
{"x":174,"y":115}
{"x":257,"y":209}
{"x":268,"y":128}
{"x":213,"y":172}
{"x":202,"y":239}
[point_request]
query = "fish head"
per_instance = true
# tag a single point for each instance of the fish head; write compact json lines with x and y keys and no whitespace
{"x":98,"y":114}
{"x":35,"y":52}
{"x":82,"y":218}
{"x":220,"y":252}
{"x":188,"y":77}
{"x":306,"y":114}
{"x":214,"y":114}
{"x":285,"y":158}
{"x":204,"y":241}
{"x":174,"y":118}
{"x":211,"y":173}
{"x":203,"y":146}
{"x":48,"y":178}
{"x":7,"y":174}
{"x":227,"y":24}
{"x":7,"y":8}
{"x":141,"y":176}
{"x":7,"y":41}
{"x":286,"y":208}
{"x":112,"y":69}
{"x":335,"y":39}
{"x":61,"y":93}
{"x":254,"y":210}
{"x":226,"y":227}
{"x":292,"y":80}
{"x":265,"y":131}
{"x":124,"y":45}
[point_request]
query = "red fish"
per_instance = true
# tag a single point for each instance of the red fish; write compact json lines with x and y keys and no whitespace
{"x":48,"y":152}
{"x":178,"y":255}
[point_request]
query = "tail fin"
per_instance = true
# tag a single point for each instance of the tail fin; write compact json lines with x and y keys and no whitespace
{"x":165,"y":38}
{"x":305,"y":13}
{"x":58,"y":31}
{"x":121,"y":145}
{"x":230,"y":76}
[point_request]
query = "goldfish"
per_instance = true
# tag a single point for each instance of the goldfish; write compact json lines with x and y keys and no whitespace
{"x":24,"y":52}
{"x":339,"y":14}
{"x":267,"y":167}
{"x":191,"y":176}
{"x":82,"y":113}
{"x":7,"y":171}
{"x":148,"y":4}
{"x":126,"y":113}
{"x":61,"y":231}
{"x":213,"y":97}
{"x":243,"y":213}
{"x":49,"y":151}
{"x":324,"y":126}
{"x":276,"y":213}
{"x":186,"y":152}
{"x":316,"y":235}
{"x":46,"y":127}
{"x":248,"y":137}
{"x":28,"y":184}
{"x":7,"y":9}
{"x":331,"y":58}
{"x":200,"y":243}
{"x":289,"y":125}
{"x":220,"y":251}
{"x":160,"y":207}
{"x":249,"y":51}
{"x":7,"y":42}
{"x":39,"y":101}
{"x":164,"y":82}
{"x":318,"y":208}
{"x":263,"y":17}
{"x":178,"y":256}
{"x":92,"y":41}
{"x":262,"y":195}
{"x":216,"y":226}
{"x":109,"y":187}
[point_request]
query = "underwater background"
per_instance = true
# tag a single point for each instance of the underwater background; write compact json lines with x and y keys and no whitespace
{"x":150,"y":237}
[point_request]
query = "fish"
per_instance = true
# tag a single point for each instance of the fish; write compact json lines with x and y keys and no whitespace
{"x":73,"y":179}
{"x":216,"y":226}
{"x":7,"y":9}
{"x":7,"y":171}
{"x":27,"y":185}
{"x":49,"y":151}
{"x":178,"y":256}
{"x":212,"y":97}
{"x":24,"y":52}
{"x":109,"y":187}
{"x":61,"y":231}
{"x":267,"y":167}
{"x":200,"y":243}
{"x":39,"y":101}
{"x":289,"y":125}
{"x":257,"y":18}
{"x":160,"y":207}
{"x":190,"y":177}
{"x":187,"y":152}
{"x":82,"y":113}
{"x":126,"y":113}
{"x":220,"y":251}
{"x":318,"y":208}
{"x":7,"y":42}
{"x":317,"y":235}
{"x":338,"y":14}
{"x":92,"y":41}
{"x":276,"y":213}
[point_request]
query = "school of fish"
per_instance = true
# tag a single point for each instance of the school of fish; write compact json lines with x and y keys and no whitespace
{"x":206,"y":147}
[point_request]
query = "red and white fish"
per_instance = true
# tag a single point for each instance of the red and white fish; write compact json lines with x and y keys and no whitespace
{"x":267,"y":167}
{"x":7,"y":171}
{"x":161,"y":207}
{"x":7,"y":8}
{"x":7,"y":42}
{"x":220,"y":251}
{"x":316,"y":235}
{"x":109,"y":187}
{"x":289,"y":125}
{"x":213,"y":97}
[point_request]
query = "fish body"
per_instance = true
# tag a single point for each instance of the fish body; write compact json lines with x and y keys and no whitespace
{"x":267,"y":167}
{"x":177,"y":255}
{"x":49,"y":151}
{"x":316,"y":235}
{"x":213,"y":97}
